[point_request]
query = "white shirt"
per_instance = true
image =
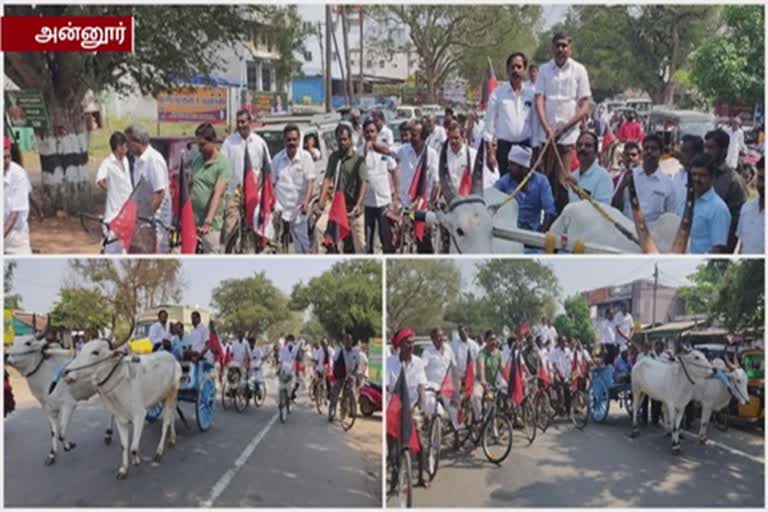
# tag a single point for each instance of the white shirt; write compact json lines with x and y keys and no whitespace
{"x":461,"y":350}
{"x":409,"y":159}
{"x":457,"y":163}
{"x":606,"y":332}
{"x":256,"y":356}
{"x":735,"y":145}
{"x":656,"y":194}
{"x":562,"y":88}
{"x":318,"y":355}
{"x":152,"y":167}
{"x":751,"y":228}
{"x":436,"y":363}
{"x":508,"y":116}
{"x":158,"y":333}
{"x":119,"y":187}
{"x":551,"y":333}
{"x":437,"y":138}
{"x":291,"y":181}
{"x":241,"y":351}
{"x":288,"y":353}
{"x":351,"y":359}
{"x":680,"y":186}
{"x":379,"y":191}
{"x":477,"y":134}
{"x":16,"y":189}
{"x":198,"y":338}
{"x":415,"y":376}
{"x":363,"y":366}
{"x":562,"y":361}
{"x":623,"y":324}
{"x":385,"y":136}
{"x":233,"y":149}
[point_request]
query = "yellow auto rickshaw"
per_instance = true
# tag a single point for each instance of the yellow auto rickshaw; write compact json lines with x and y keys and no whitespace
{"x":753,"y":362}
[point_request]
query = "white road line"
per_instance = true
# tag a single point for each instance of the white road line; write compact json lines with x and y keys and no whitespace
{"x":727,"y":448}
{"x":227,"y":477}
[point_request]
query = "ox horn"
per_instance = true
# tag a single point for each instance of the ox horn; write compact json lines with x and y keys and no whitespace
{"x":449,"y":191}
{"x":477,"y":171}
{"x":680,"y":243}
{"x":118,"y":344}
{"x":647,"y":244}
{"x":47,"y":329}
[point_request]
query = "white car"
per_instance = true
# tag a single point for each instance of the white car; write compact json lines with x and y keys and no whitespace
{"x":408,"y":112}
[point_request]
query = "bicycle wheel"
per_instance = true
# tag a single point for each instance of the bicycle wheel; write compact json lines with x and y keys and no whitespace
{"x":260,"y":395}
{"x":497,"y":438}
{"x":283,"y":405}
{"x":348,"y":408}
{"x":226,"y":396}
{"x":242,"y":398}
{"x":579,"y":409}
{"x":405,"y":480}
{"x":433,"y":448}
{"x":312,"y":389}
{"x":543,"y":411}
{"x":528,"y":413}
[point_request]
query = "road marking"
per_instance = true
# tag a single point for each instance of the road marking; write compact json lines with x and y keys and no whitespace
{"x":227,"y":477}
{"x":727,"y":448}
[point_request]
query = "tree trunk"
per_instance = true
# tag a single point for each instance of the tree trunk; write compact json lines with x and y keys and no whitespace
{"x":63,"y":148}
{"x":338,"y":59}
{"x":345,"y":42}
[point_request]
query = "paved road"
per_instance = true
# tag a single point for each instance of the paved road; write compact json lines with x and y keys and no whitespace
{"x":245,"y":460}
{"x":602,"y":467}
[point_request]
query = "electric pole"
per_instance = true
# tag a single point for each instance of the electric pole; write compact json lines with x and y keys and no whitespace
{"x":328,"y":66}
{"x":360,"y":78}
{"x":655,"y":288}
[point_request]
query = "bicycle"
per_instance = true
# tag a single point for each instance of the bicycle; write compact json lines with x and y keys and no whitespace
{"x":231,"y":391}
{"x":403,"y":237}
{"x":348,"y":405}
{"x":401,"y":480}
{"x":435,"y":435}
{"x":319,"y":392}
{"x":523,"y":416}
{"x":144,"y":246}
{"x":579,"y":407}
{"x":285,"y":388}
{"x":494,"y":429}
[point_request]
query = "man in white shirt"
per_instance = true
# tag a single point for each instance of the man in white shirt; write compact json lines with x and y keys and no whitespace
{"x":233,"y":149}
{"x":381,"y":190}
{"x":294,"y":174}
{"x":751,"y":227}
{"x":466,"y":349}
{"x":561,"y":358}
{"x":562,"y":102}
{"x":606,"y":332}
{"x":349,"y":358}
{"x":440,"y":363}
{"x":16,"y":190}
{"x":510,"y":107}
{"x":384,"y":135}
{"x":114,"y":178}
{"x":151,"y":166}
{"x":551,"y":333}
{"x":655,"y":190}
{"x":623,"y":323}
{"x":736,"y":144}
{"x":240,"y":353}
{"x":197,"y":343}
{"x":158,"y":331}
{"x":257,"y":358}
{"x":437,"y":134}
{"x":287,"y":362}
{"x":460,"y":159}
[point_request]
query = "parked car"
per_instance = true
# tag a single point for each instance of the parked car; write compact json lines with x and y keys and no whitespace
{"x":672,"y":125}
{"x":408,"y":112}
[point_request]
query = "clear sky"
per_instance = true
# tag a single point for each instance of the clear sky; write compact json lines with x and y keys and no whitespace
{"x":577,"y":274}
{"x":38,"y":280}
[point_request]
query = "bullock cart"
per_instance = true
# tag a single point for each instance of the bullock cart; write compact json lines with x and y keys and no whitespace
{"x":197,"y":387}
{"x":603,"y":388}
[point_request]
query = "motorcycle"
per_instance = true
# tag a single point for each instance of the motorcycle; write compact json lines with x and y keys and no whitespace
{"x":370,"y":398}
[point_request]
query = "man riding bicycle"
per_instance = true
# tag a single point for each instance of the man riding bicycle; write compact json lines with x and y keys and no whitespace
{"x":440,"y":364}
{"x":489,"y":362}
{"x":287,"y":361}
{"x":239,"y":355}
{"x":562,"y":362}
{"x":346,"y":363}
{"x":254,"y":370}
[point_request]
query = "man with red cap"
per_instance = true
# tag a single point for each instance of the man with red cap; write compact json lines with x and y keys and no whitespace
{"x":16,"y":188}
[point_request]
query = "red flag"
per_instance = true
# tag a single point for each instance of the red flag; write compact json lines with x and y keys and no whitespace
{"x":517,"y":393}
{"x":446,"y":388}
{"x":418,"y":193}
{"x":525,"y":329}
{"x":469,"y":375}
{"x":399,"y":420}
{"x":123,"y":224}
{"x":214,"y":345}
{"x":507,"y":370}
{"x":338,"y":221}
{"x":250,"y":192}
{"x":266,"y":202}
{"x":513,"y":374}
{"x":489,"y":84}
{"x":544,"y":375}
{"x":465,"y":186}
{"x":187,"y":215}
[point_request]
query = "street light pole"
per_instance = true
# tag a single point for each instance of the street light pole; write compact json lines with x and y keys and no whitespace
{"x":328,"y":66}
{"x":655,"y":289}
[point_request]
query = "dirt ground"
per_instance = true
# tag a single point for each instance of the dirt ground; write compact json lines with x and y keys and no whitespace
{"x":60,"y":235}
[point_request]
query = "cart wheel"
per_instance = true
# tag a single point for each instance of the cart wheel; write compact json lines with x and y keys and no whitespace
{"x":154,"y":412}
{"x":206,"y":405}
{"x":599,"y":401}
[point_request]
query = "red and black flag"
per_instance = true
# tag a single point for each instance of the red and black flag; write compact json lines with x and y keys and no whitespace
{"x":469,"y":375}
{"x":399,"y":421}
{"x":513,"y":374}
{"x":489,"y":84}
{"x":123,"y":225}
{"x":338,"y":221}
{"x":214,"y":345}
{"x":446,"y":388}
{"x":250,"y":192}
{"x":418,"y":193}
{"x":544,"y":374}
{"x":186,"y":221}
{"x":265,"y":204}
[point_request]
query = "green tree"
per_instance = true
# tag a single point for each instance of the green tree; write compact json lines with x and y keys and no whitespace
{"x":455,"y":39}
{"x":172,"y":43}
{"x":292,"y":324}
{"x":700,"y":297}
{"x":313,"y":329}
{"x":130,"y":285}
{"x":575,"y":321}
{"x":473,"y":311}
{"x":740,"y":300}
{"x":81,"y":309}
{"x":11,"y":300}
{"x":345,"y":299}
{"x":418,"y":292}
{"x":253,"y":305}
{"x":517,"y":291}
{"x":729,"y":66}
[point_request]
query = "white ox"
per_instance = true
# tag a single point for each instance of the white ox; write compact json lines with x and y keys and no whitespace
{"x":477,"y":226}
{"x":714,"y":395}
{"x":672,"y":384}
{"x":128,"y":385}
{"x":39,"y":362}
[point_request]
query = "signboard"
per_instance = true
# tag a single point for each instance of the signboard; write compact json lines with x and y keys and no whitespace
{"x":8,"y":333}
{"x":263,"y":102}
{"x":375,"y":360}
{"x":193,"y":105}
{"x":26,"y":109}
